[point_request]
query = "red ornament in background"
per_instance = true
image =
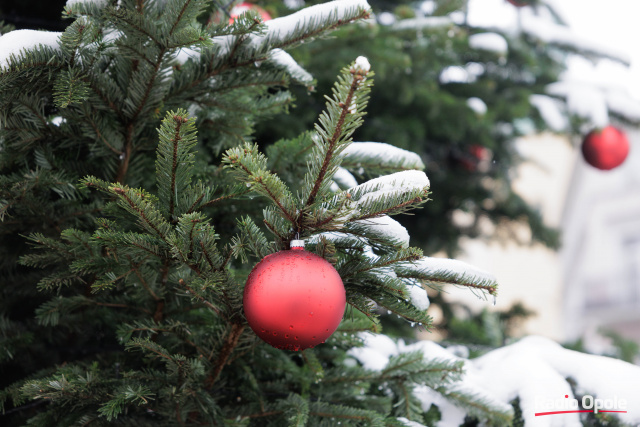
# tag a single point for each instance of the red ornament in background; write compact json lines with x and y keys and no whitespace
{"x":294,"y":299}
{"x":241,"y":8}
{"x":520,"y":3}
{"x":476,"y":159}
{"x":605,"y":148}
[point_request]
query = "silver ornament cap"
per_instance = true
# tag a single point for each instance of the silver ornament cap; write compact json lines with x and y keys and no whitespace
{"x":297,"y":244}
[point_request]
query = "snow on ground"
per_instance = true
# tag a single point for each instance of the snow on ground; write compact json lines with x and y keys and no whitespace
{"x":533,"y":369}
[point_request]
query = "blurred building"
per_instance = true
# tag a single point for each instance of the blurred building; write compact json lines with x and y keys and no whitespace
{"x":601,"y":251}
{"x":593,"y":282}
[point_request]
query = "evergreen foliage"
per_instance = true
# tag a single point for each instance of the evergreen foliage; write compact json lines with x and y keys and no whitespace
{"x":123,"y":271}
{"x":415,"y":109}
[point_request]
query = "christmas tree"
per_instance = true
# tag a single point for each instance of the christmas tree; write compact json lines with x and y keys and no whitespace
{"x":135,"y":204}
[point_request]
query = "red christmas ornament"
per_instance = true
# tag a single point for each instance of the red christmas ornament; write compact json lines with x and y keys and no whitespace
{"x":605,"y":148}
{"x":294,"y":299}
{"x":241,"y":8}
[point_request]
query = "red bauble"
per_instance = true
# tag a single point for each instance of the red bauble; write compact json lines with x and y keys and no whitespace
{"x":294,"y":299}
{"x":605,"y":148}
{"x":241,"y":8}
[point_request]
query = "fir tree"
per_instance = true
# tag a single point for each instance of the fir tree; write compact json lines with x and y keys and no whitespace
{"x":138,"y":314}
{"x":135,"y":202}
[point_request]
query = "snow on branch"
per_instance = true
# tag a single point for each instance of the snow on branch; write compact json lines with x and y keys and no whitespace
{"x":16,"y":43}
{"x":344,"y":179}
{"x":440,"y":271}
{"x":280,"y":30}
{"x":379,"y":155}
{"x":550,"y":111}
{"x":390,"y":185}
{"x":292,"y":29}
{"x":99,"y":3}
{"x":387,"y":228}
{"x":281,"y":59}
{"x":422,"y":23}
{"x":583,"y":100}
{"x":492,"y":42}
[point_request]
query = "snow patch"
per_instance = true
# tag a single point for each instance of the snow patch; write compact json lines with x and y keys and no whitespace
{"x":533,"y":369}
{"x":409,"y":423}
{"x":280,"y":29}
{"x":385,"y":153}
{"x":393,"y":184}
{"x":362,"y":64}
{"x":388,"y":228}
{"x":386,"y":18}
{"x":294,"y":4}
{"x":620,"y":102}
{"x":585,"y":101}
{"x":282,"y":59}
{"x":537,"y":368}
{"x":344,"y":179}
{"x":185,"y":54}
{"x":477,"y":105}
{"x":457,"y":74}
{"x":99,"y":3}
{"x":423,"y":23}
{"x":419,"y":297}
{"x":14,"y":43}
{"x":57,"y":120}
{"x":492,"y":42}
{"x":375,"y":353}
{"x":549,"y":109}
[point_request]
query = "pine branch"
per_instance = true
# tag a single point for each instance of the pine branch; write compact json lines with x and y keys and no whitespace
{"x":249,"y":165}
{"x":175,"y":158}
{"x":200,"y":297}
{"x":439,"y":271}
{"x":335,"y":127}
{"x":230,"y":343}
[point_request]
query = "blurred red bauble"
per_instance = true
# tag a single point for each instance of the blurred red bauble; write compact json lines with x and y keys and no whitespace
{"x":241,"y":8}
{"x":520,"y":3}
{"x":475,"y":159}
{"x":294,"y":299}
{"x":605,"y":148}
